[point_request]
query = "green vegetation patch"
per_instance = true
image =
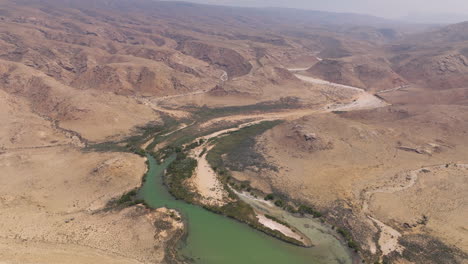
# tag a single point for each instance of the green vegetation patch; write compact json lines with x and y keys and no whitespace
{"x":239,"y":149}
{"x":243,"y":212}
{"x":422,"y":248}
{"x":180,"y":170}
{"x":349,"y":239}
{"x":142,"y":134}
{"x":162,"y":224}
{"x":127,"y":199}
{"x":303,"y":209}
{"x":206,"y":113}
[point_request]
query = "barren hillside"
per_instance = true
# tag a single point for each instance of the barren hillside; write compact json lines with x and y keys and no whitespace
{"x":374,"y":123}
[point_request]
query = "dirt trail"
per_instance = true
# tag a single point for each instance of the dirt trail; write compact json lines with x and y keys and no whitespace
{"x":388,"y":240}
{"x":151,"y":103}
{"x":298,"y":69}
{"x":179,"y":95}
{"x":393,"y":89}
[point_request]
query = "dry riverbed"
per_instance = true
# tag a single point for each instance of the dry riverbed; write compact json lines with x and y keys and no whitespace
{"x":206,"y":181}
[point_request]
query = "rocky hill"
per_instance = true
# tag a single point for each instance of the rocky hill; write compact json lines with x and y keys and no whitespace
{"x":435,"y":60}
{"x":75,"y":74}
{"x":366,"y":72}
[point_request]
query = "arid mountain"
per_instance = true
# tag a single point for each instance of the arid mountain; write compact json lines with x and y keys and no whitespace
{"x":87,"y":85}
{"x":442,"y":35}
{"x":435,"y":60}
{"x":368,"y":72}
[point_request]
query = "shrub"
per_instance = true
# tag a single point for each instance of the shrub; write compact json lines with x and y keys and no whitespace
{"x":349,"y":239}
{"x":179,"y":170}
{"x":127,"y":197}
{"x":277,"y":220}
{"x":202,"y":153}
{"x":279,"y":203}
{"x":308,"y":210}
{"x":352,"y":245}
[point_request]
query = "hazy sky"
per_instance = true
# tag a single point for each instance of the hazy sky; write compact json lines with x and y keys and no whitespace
{"x":383,"y":8}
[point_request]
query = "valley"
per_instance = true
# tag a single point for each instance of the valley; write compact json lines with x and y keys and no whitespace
{"x":171,"y":132}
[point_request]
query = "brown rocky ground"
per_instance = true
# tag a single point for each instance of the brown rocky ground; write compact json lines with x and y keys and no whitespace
{"x":139,"y":49}
{"x":74,"y":72}
{"x":433,"y":60}
{"x":438,"y":197}
{"x":53,"y":195}
{"x":368,"y":72}
{"x":92,"y":115}
{"x":332,"y":161}
{"x":53,"y":202}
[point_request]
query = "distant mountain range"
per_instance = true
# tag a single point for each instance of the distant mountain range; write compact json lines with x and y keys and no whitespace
{"x":439,"y":18}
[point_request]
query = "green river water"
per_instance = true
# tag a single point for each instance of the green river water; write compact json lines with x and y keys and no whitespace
{"x":215,"y":239}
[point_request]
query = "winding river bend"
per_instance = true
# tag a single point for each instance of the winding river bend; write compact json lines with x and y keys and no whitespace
{"x":215,"y":239}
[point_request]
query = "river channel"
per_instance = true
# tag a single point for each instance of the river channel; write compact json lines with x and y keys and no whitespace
{"x":215,"y":239}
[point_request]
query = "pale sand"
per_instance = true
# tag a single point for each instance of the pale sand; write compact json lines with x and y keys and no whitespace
{"x":363,"y":100}
{"x":388,"y":239}
{"x":147,"y":143}
{"x":320,"y":81}
{"x":206,"y":181}
{"x":273,"y":225}
{"x":262,"y":219}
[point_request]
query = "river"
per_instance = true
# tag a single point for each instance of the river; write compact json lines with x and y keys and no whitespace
{"x":215,"y":239}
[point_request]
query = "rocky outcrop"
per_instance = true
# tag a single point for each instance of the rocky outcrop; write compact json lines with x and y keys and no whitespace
{"x":101,"y":77}
{"x":218,"y":90}
{"x":273,"y":40}
{"x":360,"y":71}
{"x":308,"y":141}
{"x":227,"y":59}
{"x":437,"y":71}
{"x":39,"y":93}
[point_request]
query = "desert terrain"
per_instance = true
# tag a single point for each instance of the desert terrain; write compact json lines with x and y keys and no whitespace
{"x":353,"y":123}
